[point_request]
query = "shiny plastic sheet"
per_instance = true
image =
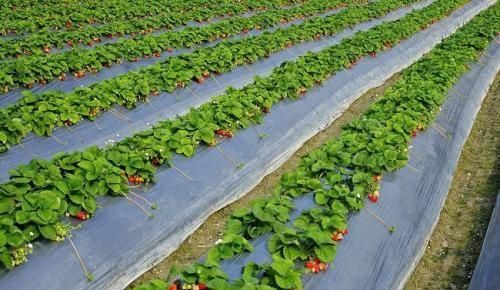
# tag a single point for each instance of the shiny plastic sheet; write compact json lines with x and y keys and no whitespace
{"x":120,"y":242}
{"x":487,"y":273}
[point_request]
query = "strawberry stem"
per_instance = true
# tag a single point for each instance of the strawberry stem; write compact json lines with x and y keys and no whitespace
{"x":96,"y":125}
{"x":181,"y":172}
{"x":238,"y":165}
{"x":73,"y":131}
{"x":193,"y":93}
{"x":153,"y":205}
{"x":411,"y":167}
{"x":90,"y":277}
{"x":59,"y":140}
{"x":391,"y":229}
{"x":216,"y":82}
{"x":150,"y":215}
{"x":119,"y":115}
{"x":27,"y":150}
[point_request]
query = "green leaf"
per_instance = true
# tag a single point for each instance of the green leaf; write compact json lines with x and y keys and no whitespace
{"x":291,"y":252}
{"x":6,"y":205}
{"x":62,"y":186}
{"x":90,"y":205}
{"x":48,"y":232}
{"x":325,"y":252}
{"x":320,"y":198}
{"x":289,"y":281}
{"x":3,"y":239}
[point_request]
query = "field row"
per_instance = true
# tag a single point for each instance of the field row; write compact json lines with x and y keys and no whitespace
{"x":38,"y":194}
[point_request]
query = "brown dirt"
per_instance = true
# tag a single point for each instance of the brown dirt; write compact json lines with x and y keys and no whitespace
{"x":451,"y":255}
{"x":205,"y":236}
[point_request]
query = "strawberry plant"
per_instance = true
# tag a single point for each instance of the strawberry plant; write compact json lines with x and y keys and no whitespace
{"x":340,"y":174}
{"x":306,"y":241}
{"x":132,"y":87}
{"x":41,"y":42}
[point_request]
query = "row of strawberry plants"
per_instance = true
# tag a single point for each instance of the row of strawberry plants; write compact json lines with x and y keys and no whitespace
{"x":42,"y":41}
{"x":30,"y":19}
{"x":42,"y":113}
{"x":340,"y":174}
{"x":29,"y":69}
{"x":39,"y":193}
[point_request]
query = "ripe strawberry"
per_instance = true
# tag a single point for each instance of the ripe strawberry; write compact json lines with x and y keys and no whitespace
{"x":345,"y":232}
{"x":82,"y":215}
{"x":337,"y":236}
{"x":172,"y":287}
{"x":156,"y":162}
{"x":372,"y":197}
{"x":62,"y":77}
{"x":316,"y":260}
{"x":414,"y":133}
{"x":309,"y":265}
{"x":202,"y":286}
{"x":132,"y":179}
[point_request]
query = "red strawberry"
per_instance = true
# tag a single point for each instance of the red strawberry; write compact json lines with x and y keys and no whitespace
{"x":81,"y":215}
{"x":372,"y":197}
{"x":155,"y":162}
{"x":414,"y":133}
{"x":225,"y":133}
{"x":172,"y":287}
{"x":132,"y":179}
{"x":337,"y":236}
{"x":309,"y":265}
{"x":345,"y":232}
{"x":202,"y":286}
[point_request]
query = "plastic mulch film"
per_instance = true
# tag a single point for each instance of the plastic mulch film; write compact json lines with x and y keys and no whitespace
{"x":120,"y":242}
{"x":486,"y":275}
{"x":411,"y":200}
{"x":114,"y":127}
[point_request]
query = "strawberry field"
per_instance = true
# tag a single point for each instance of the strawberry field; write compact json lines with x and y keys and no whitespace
{"x":124,"y":125}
